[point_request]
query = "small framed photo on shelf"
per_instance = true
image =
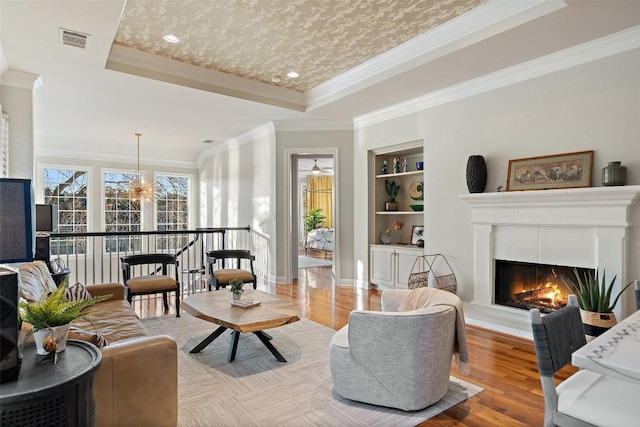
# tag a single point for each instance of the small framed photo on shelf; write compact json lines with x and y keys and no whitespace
{"x":570,"y":170}
{"x":416,"y":233}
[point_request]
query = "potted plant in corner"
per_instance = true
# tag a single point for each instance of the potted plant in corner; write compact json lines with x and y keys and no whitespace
{"x":314,"y":219}
{"x":594,"y":299}
{"x":392,"y":192}
{"x":52,"y":316}
{"x":236,"y":287}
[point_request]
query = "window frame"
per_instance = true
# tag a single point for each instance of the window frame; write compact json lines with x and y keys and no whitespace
{"x":40,"y":193}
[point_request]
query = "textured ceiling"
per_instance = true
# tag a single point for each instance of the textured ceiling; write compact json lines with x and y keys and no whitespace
{"x":262,"y":40}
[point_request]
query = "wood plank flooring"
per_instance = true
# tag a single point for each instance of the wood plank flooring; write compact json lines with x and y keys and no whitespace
{"x":503,"y":365}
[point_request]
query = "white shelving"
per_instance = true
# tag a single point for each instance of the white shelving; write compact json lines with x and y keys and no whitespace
{"x":390,"y":265}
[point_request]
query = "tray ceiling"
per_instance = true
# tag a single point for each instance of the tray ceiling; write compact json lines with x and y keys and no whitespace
{"x":264,"y":40}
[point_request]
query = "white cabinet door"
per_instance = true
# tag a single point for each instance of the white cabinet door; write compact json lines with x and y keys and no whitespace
{"x":404,"y":263}
{"x":381,"y":268}
{"x":391,"y":265}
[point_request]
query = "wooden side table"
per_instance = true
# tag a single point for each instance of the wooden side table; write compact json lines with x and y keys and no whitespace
{"x":52,"y":395}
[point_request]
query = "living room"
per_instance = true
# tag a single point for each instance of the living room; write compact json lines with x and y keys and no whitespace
{"x":562,"y":80}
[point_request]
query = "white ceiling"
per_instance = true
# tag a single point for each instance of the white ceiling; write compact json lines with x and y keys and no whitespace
{"x":94,"y":100}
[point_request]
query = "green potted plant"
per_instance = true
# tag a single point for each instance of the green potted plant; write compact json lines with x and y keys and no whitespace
{"x":52,"y":315}
{"x":314,"y":219}
{"x":236,"y":287}
{"x":594,"y":299}
{"x":392,"y":192}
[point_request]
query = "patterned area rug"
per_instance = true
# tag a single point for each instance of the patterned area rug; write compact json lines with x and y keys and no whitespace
{"x":257,"y":390}
{"x":307,"y":262}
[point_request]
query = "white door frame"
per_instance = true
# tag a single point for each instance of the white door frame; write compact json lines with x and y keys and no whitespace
{"x":291,"y":231}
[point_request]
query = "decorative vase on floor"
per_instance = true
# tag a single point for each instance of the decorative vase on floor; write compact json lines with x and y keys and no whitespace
{"x":60,"y":333}
{"x":614,"y":174}
{"x":476,"y":174}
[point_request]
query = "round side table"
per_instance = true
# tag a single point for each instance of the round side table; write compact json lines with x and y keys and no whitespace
{"x":52,"y":395}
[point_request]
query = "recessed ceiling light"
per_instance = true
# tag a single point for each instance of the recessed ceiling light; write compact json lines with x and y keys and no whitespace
{"x":293,"y":74}
{"x":276,"y":79}
{"x":207,"y":141}
{"x":171,"y":38}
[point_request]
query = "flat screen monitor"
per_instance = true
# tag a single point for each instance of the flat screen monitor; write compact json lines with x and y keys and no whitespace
{"x":17,"y":220}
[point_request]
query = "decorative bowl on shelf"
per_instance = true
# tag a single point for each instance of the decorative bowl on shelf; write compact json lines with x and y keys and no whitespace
{"x":417,"y":208}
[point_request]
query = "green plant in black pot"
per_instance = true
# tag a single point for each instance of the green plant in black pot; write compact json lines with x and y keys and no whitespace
{"x":392,"y":192}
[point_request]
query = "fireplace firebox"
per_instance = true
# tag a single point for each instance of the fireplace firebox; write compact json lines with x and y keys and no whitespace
{"x":529,"y":285}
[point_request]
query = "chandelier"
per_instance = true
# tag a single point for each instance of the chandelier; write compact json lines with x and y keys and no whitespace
{"x":141,"y":187}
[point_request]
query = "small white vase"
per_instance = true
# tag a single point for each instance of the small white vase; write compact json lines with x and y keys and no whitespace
{"x":60,"y":333}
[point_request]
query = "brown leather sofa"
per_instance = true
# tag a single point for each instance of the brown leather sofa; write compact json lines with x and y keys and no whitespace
{"x":137,"y":381}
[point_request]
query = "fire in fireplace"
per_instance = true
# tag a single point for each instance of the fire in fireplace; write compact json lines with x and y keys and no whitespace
{"x":529,"y":285}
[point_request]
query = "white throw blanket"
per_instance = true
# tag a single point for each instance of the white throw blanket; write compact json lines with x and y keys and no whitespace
{"x":427,"y":297}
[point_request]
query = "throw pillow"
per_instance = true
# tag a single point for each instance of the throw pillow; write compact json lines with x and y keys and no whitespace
{"x":77,"y":292}
{"x":35,"y":281}
{"x":94,"y":338}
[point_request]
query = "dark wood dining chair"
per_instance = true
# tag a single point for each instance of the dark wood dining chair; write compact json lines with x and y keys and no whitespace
{"x":231,"y":264}
{"x":153,"y":279}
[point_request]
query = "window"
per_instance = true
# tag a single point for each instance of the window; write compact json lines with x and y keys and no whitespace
{"x":172,"y":195}
{"x":67,"y":189}
{"x":121,"y":213}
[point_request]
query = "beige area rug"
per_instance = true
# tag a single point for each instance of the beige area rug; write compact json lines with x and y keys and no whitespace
{"x":309,"y":262}
{"x":257,"y":390}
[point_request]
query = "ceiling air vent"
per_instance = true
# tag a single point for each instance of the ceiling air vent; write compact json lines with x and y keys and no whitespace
{"x":73,"y":38}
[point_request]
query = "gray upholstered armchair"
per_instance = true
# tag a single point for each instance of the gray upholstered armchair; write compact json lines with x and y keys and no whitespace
{"x":398,"y":359}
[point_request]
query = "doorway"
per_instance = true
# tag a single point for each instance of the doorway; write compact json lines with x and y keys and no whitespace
{"x":313,"y":213}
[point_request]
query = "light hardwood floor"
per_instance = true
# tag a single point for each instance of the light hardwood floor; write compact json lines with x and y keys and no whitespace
{"x":503,"y":365}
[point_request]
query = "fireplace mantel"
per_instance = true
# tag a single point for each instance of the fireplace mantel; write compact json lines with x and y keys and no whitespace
{"x":583,"y":227}
{"x":595,"y":206}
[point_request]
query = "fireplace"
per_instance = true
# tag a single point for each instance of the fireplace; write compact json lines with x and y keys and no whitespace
{"x":584,"y":227}
{"x":530,"y":285}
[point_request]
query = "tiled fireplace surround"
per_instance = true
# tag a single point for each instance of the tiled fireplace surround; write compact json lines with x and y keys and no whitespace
{"x":575,"y":227}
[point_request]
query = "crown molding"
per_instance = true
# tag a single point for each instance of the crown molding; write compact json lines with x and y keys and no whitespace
{"x":105,"y":157}
{"x":613,"y":44}
{"x":254,"y":134}
{"x":489,"y":19}
{"x":21,"y":80}
{"x":312,"y":125}
{"x":143,"y":64}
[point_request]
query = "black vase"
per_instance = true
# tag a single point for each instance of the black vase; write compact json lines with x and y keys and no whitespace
{"x":476,"y":174}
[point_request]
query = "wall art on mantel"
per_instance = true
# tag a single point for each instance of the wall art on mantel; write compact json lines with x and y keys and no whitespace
{"x":570,"y":170}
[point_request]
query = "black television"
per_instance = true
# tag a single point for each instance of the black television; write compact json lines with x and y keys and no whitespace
{"x":17,"y":220}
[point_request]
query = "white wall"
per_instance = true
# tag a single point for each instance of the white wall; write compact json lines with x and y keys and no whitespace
{"x":594,"y":106}
{"x":245,"y":183}
{"x":16,"y":97}
{"x":240,"y":191}
{"x":315,"y":141}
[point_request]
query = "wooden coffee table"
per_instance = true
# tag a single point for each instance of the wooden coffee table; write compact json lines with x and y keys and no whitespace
{"x":215,"y":307}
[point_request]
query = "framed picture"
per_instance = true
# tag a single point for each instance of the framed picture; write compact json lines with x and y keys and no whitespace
{"x":570,"y":170}
{"x":416,"y":233}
